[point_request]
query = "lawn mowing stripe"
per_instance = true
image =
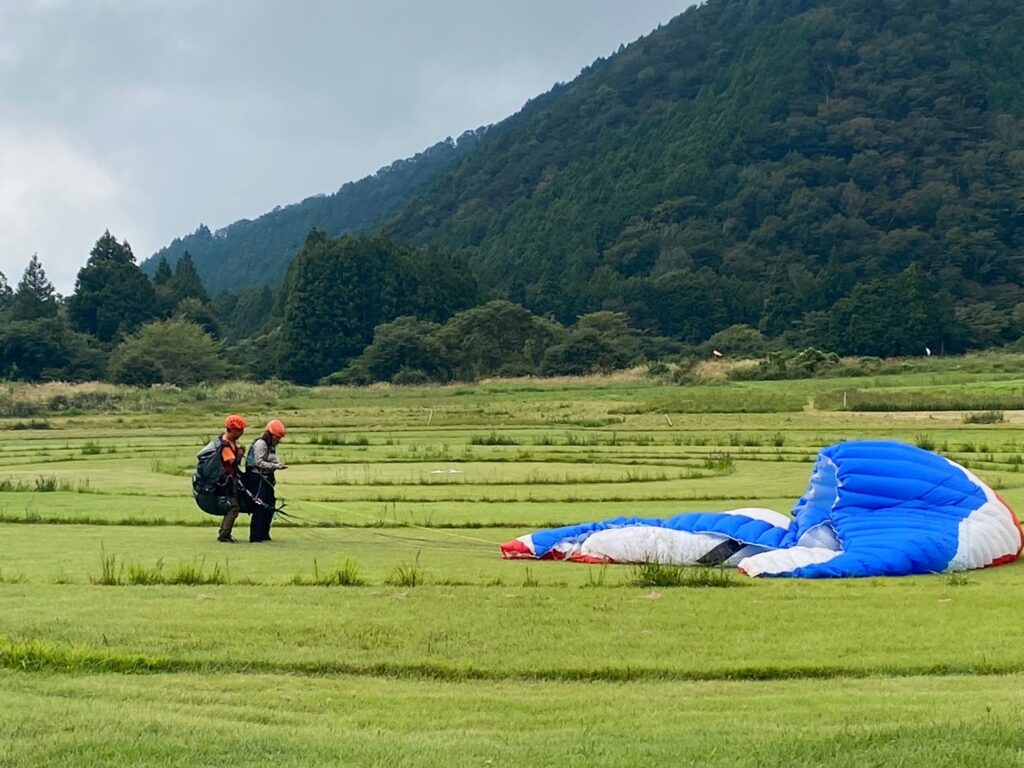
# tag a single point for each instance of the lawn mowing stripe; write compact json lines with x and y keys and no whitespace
{"x":36,"y":656}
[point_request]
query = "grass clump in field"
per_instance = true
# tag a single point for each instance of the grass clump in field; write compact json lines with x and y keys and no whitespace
{"x":138,"y":574}
{"x":719,"y":461}
{"x":31,"y":424}
{"x":596,"y":576}
{"x":336,"y":440}
{"x":984,"y":417}
{"x":407,"y":574}
{"x":194,"y":574}
{"x":42,"y":484}
{"x":529,"y":579}
{"x":118,"y":574}
{"x":492,"y":439}
{"x":924,"y":442}
{"x":5,"y":579}
{"x":110,"y":574}
{"x":345,"y":575}
{"x":664,"y":575}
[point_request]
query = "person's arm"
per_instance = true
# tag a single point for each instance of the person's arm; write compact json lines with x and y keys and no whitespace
{"x":261,"y":457}
{"x":227,"y":458}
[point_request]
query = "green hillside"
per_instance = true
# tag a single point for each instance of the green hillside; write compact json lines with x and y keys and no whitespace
{"x":252,"y":253}
{"x":832,"y":170}
{"x":845,"y":174}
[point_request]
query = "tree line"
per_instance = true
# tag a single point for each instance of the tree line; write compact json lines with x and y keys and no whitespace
{"x":359,"y":309}
{"x":353,"y":310}
{"x":115,"y":310}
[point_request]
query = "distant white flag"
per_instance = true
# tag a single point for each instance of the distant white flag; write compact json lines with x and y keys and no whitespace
{"x":927,"y":351}
{"x":716,"y":353}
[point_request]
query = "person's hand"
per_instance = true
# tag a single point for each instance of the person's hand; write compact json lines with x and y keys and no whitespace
{"x":282,"y":466}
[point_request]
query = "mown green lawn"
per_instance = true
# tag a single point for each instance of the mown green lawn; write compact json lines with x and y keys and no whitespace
{"x":258,"y":719}
{"x":444,"y":654}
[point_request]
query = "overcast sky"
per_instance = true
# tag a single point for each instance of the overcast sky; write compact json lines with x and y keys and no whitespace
{"x":149,"y":117}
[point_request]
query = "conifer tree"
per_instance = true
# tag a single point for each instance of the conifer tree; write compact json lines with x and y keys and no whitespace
{"x":6,"y":293}
{"x":112,"y":295}
{"x":338,"y":291}
{"x":163,"y":272}
{"x":35,"y":297}
{"x":185,"y":284}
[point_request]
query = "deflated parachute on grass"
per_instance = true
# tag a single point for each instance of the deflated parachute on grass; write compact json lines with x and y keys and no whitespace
{"x":872,"y":508}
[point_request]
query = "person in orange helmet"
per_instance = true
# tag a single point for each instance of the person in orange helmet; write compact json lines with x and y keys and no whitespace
{"x":261,"y":464}
{"x":231,"y":460}
{"x":215,"y":483}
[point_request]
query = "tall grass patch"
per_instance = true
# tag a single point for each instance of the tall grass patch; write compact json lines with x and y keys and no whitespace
{"x":492,"y":439}
{"x":41,"y":484}
{"x":655,"y":574}
{"x":115,"y":573}
{"x":407,"y":574}
{"x":931,"y":399}
{"x":345,"y":575}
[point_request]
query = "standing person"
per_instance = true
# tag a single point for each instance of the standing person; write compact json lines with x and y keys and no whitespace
{"x":261,"y":464}
{"x":231,"y":460}
{"x":215,"y":483}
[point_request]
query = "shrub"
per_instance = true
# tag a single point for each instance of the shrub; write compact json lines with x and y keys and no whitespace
{"x":790,"y":364}
{"x":357,"y":374}
{"x":175,"y":351}
{"x":658,"y":370}
{"x":410,"y":376}
{"x":587,"y":351}
{"x":738,"y":341}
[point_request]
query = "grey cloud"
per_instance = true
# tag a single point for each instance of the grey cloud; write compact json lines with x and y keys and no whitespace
{"x":212,"y":111}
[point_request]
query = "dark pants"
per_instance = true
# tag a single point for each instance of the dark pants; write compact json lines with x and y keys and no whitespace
{"x":262,"y":504}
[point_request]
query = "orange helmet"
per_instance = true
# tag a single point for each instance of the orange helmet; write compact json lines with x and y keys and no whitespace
{"x":234,"y":421}
{"x":276,"y":428}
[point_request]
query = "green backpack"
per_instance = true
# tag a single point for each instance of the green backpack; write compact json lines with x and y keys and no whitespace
{"x":208,"y":486}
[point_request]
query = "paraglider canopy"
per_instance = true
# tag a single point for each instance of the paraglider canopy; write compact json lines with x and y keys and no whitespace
{"x":872,"y":508}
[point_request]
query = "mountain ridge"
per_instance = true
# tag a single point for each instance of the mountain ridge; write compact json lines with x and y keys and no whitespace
{"x":250,"y":253}
{"x":759,"y":162}
{"x":754,"y":162}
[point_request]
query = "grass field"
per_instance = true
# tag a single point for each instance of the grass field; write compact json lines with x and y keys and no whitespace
{"x":382,"y":628}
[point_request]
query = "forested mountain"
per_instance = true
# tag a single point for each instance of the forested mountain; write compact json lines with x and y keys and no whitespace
{"x":793,"y":178}
{"x":252,"y":253}
{"x":847,"y":174}
{"x":829,"y":169}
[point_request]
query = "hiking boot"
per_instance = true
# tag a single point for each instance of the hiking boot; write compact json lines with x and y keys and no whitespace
{"x":226,"y":538}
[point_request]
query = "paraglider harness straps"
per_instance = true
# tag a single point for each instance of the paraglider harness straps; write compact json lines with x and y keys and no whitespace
{"x":256,"y":500}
